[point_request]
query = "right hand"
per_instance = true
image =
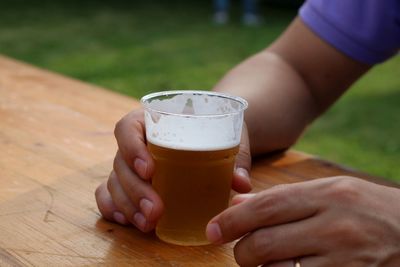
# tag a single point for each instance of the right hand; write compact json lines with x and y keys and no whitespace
{"x":128,"y":197}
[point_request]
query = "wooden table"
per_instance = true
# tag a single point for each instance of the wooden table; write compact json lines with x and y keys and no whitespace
{"x":57,"y":145}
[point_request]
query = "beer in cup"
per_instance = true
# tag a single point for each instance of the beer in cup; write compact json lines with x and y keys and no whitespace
{"x":193,"y":137}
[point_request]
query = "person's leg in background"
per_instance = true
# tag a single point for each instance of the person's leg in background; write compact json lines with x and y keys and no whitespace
{"x":251,"y":16}
{"x":221,"y":8}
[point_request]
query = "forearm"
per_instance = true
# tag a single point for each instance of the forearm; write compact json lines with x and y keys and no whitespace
{"x":288,"y":85}
{"x":280,"y":104}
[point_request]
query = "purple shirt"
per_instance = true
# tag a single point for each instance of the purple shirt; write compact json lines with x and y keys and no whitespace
{"x":365,"y":30}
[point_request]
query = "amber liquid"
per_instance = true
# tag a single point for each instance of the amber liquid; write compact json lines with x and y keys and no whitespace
{"x":194,"y":186}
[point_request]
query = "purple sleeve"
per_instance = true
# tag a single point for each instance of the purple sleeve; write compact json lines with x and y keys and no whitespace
{"x":365,"y":30}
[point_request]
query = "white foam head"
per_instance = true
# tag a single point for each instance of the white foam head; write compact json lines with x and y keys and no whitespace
{"x":193,"y":120}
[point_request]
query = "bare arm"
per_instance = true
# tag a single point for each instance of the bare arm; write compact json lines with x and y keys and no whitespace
{"x":289,"y":84}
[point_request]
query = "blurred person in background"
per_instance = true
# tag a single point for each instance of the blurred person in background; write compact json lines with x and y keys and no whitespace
{"x":250,"y":15}
{"x":332,"y":221}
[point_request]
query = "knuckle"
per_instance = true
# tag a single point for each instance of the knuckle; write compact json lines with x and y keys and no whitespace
{"x":346,"y":232}
{"x":97,"y":192}
{"x":118,"y":162}
{"x":239,"y":255}
{"x":127,"y":208}
{"x":135,"y":191}
{"x":119,"y":126}
{"x":112,"y":179}
{"x":344,"y":189}
{"x":242,"y":254}
{"x":115,"y":164}
{"x":271,"y":199}
{"x":260,"y":245}
{"x":121,"y":201}
{"x":344,"y":227}
{"x":255,"y":248}
{"x":227,"y":222}
{"x":267,"y":204}
{"x":280,"y":188}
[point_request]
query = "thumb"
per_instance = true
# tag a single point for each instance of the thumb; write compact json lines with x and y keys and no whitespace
{"x":241,"y":175}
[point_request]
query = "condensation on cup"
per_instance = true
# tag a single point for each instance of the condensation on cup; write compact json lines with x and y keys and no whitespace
{"x":193,"y":137}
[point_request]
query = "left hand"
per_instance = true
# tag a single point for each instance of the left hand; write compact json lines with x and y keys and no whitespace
{"x":338,"y":221}
{"x":128,"y":197}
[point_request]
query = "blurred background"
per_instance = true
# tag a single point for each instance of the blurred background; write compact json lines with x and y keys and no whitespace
{"x":136,"y":47}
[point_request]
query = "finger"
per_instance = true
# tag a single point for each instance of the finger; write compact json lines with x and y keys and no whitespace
{"x":280,"y":204}
{"x":131,"y":139}
{"x":141,"y":194}
{"x":286,"y":241}
{"x":121,"y":200}
{"x":241,"y":178}
{"x":308,"y":261}
{"x":106,"y":205}
{"x":237,"y":199}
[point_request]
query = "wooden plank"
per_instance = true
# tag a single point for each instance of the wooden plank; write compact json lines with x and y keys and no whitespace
{"x":57,"y":145}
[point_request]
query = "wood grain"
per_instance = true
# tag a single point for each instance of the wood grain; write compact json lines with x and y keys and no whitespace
{"x":57,"y":145}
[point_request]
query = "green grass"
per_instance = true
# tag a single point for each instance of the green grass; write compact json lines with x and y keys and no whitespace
{"x":136,"y":47}
{"x":362,"y":130}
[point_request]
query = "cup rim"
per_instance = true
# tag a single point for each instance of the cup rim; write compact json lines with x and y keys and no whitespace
{"x":242,"y":101}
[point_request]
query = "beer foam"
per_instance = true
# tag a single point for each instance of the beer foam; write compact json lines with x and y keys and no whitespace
{"x":192,"y":120}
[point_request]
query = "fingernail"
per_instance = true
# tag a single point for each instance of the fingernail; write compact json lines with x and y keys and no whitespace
{"x":243,"y":172}
{"x":146,"y":206}
{"x":213,"y":232}
{"x":119,"y":217}
{"x":141,"y":167}
{"x":140,"y":220}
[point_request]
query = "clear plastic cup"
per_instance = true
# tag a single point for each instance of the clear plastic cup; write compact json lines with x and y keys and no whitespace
{"x":193,"y":137}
